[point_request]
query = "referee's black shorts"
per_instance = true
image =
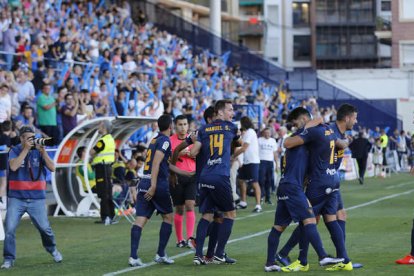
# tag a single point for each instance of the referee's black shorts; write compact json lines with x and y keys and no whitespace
{"x":184,"y":189}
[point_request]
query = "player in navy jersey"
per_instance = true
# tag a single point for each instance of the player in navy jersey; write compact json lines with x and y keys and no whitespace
{"x":293,"y":205}
{"x":153,"y":194}
{"x":322,"y":188}
{"x":214,"y":226}
{"x":346,"y":119}
{"x":214,"y":141}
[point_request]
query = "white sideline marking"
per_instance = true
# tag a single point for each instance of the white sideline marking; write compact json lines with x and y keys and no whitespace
{"x":255,"y":234}
{"x":399,"y":185}
{"x":379,"y":199}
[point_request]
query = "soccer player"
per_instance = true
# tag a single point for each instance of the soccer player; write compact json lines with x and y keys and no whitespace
{"x":214,"y":141}
{"x":183,"y":192}
{"x":346,"y":119}
{"x":214,"y":226}
{"x":322,"y":189}
{"x":293,"y":205}
{"x":153,"y":194}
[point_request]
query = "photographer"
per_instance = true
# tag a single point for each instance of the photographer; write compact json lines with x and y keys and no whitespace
{"x":26,"y":193}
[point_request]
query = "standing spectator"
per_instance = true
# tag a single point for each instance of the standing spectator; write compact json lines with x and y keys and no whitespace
{"x":69,"y":113}
{"x":5,"y":103}
{"x":9,"y":46}
{"x":268,"y":155}
{"x":119,"y":103}
{"x":59,"y":48}
{"x":46,"y":113}
{"x":11,"y":83}
{"x":25,"y":88}
{"x":401,"y":147}
{"x":377,"y":157}
{"x":249,"y":173}
{"x":384,"y":146}
{"x":103,"y":156}
{"x":7,"y":138}
{"x":360,"y":148}
{"x":26,"y":194}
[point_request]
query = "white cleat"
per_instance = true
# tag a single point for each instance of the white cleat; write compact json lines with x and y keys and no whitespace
{"x":163,"y":260}
{"x":329,"y":260}
{"x":135,"y":262}
{"x":272,"y":268}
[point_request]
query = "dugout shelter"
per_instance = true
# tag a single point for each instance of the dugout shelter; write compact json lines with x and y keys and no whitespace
{"x":67,"y":188}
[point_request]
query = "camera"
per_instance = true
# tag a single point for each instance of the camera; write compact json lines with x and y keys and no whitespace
{"x":42,"y":142}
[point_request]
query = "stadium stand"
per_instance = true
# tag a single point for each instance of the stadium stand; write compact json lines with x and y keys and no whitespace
{"x":99,"y":62}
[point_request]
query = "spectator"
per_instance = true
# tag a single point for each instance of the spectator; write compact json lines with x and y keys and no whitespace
{"x":46,"y":113}
{"x":401,"y":147}
{"x":25,"y":88}
{"x":384,"y":146}
{"x":360,"y":148}
{"x":9,"y":46}
{"x":378,"y":157}
{"x":5,"y":103}
{"x":69,"y":113}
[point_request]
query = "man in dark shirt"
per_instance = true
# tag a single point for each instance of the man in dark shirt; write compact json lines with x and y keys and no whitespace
{"x":360,"y":148}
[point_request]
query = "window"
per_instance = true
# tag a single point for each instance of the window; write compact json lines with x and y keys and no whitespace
{"x":386,"y":5}
{"x":407,"y":54}
{"x":407,"y":10}
{"x":362,"y":45}
{"x":301,"y":47}
{"x":300,"y":14}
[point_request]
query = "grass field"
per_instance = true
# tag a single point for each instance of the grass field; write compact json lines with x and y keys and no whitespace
{"x":379,"y":224}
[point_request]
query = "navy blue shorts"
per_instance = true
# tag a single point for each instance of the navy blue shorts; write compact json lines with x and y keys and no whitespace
{"x":215,"y":194}
{"x":161,"y":201}
{"x":2,"y":173}
{"x":292,"y":204}
{"x":249,"y":173}
{"x":325,"y":203}
{"x":339,"y":199}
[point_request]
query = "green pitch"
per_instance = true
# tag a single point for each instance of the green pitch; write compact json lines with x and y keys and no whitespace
{"x":378,"y":232}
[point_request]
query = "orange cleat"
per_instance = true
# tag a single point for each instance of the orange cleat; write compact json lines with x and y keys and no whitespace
{"x":407,"y":260}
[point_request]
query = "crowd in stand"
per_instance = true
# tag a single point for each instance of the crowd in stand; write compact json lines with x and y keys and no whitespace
{"x":64,"y":62}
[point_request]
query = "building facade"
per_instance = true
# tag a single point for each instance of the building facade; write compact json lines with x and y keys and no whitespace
{"x":402,"y":34}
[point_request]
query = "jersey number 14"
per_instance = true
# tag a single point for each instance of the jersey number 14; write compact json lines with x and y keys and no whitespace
{"x":216,"y":142}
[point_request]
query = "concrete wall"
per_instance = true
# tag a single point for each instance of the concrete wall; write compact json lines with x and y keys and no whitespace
{"x":402,"y":29}
{"x":376,"y":85}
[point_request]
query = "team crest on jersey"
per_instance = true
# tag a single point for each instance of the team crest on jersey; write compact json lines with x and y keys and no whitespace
{"x":165,"y":145}
{"x":328,"y":132}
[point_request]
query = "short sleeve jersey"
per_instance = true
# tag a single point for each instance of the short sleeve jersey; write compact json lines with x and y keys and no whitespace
{"x":163,"y":144}
{"x":320,"y":141}
{"x":216,"y":139}
{"x":29,"y":180}
{"x":339,"y":153}
{"x":294,"y":165}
